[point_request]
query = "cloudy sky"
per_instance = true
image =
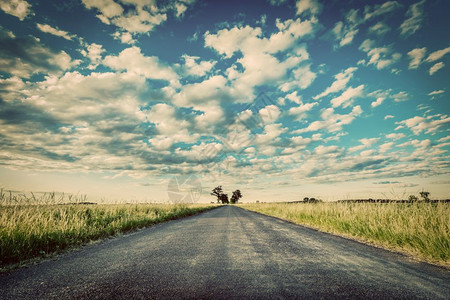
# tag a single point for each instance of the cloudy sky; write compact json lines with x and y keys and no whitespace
{"x":282,"y":99}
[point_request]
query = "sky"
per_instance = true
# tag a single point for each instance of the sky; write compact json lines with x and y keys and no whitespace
{"x":157,"y":101}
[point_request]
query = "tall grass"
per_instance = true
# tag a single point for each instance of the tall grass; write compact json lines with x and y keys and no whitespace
{"x":28,"y":231}
{"x":419,"y":229}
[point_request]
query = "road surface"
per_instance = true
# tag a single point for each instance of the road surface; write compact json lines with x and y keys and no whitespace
{"x":227,"y":253}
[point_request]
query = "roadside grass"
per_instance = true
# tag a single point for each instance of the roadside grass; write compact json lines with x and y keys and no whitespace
{"x":30,"y":231}
{"x":421,"y":230}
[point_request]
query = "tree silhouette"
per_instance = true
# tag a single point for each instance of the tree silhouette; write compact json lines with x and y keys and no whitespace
{"x":236,"y":196}
{"x":224,"y":198}
{"x":425,"y":195}
{"x":218,"y":192}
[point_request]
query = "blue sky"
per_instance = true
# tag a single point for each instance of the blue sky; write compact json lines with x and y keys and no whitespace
{"x":281,"y":99}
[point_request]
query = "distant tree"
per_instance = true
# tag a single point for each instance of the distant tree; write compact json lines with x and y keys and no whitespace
{"x":425,"y":195}
{"x":412,"y":198}
{"x":311,"y":200}
{"x":224,"y":198}
{"x":236,"y":196}
{"x":217,"y":192}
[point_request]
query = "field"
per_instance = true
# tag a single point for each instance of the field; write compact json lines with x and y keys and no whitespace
{"x":29,"y":231}
{"x":421,"y":229}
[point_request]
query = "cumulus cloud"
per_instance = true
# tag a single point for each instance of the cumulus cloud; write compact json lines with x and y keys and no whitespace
{"x":436,"y":67}
{"x":346,"y":98}
{"x":26,"y":56}
{"x":386,"y":147}
{"x":416,"y":56}
{"x":258,"y":64}
{"x":300,"y":111}
{"x":380,"y":57}
{"x":133,"y":61}
{"x":124,"y":37}
{"x":346,"y":30}
{"x":195,"y":68}
{"x":400,"y":97}
{"x":138,"y":16}
{"x":378,"y":102}
{"x":428,"y":124}
{"x":94,"y":53}
{"x":366,"y":142}
{"x":331,"y":121}
{"x":18,"y":8}
{"x":436,"y":55}
{"x":436,"y":92}
{"x":379,"y":29}
{"x":341,"y":81}
{"x":414,"y":20}
{"x":55,"y":31}
{"x":395,"y":136}
{"x":312,"y":7}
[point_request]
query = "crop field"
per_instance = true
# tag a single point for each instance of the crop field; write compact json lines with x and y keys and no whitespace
{"x":29,"y":231}
{"x":421,"y":229}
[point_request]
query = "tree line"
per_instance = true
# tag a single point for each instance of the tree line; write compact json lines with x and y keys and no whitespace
{"x":223,"y":198}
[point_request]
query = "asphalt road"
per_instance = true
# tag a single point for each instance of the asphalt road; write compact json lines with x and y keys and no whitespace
{"x":227,"y":253}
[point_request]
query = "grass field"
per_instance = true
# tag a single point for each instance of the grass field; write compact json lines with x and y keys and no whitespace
{"x":421,"y":230}
{"x":28,"y":231}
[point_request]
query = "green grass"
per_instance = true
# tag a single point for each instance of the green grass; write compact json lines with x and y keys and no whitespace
{"x":29,"y":231}
{"x":421,"y":230}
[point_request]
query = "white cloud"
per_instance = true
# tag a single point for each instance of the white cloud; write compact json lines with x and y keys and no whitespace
{"x":437,"y":92}
{"x":364,"y":144}
{"x":345,"y":31}
{"x":436,"y":55}
{"x":379,"y":29}
{"x":94,"y":53}
{"x":26,"y":56}
{"x":388,"y":117}
{"x":301,"y":110}
{"x":49,"y":29}
{"x":269,"y":114}
{"x":380,"y":57}
{"x":124,"y":37}
{"x":378,"y":10}
{"x":139,"y":16}
{"x":416,"y":56}
{"x":321,"y":150}
{"x":385,"y":147}
{"x":436,"y":67}
{"x":400,"y":97}
{"x":195,"y":68}
{"x":294,"y":97}
{"x":341,"y":80}
{"x":428,"y":124}
{"x":18,"y":8}
{"x":414,"y":21}
{"x":270,"y":135}
{"x":133,"y":61}
{"x":395,"y":136}
{"x":346,"y":98}
{"x":212,"y":115}
{"x":332,"y":122}
{"x":260,"y":65}
{"x":302,"y":78}
{"x":308,"y":6}
{"x":299,"y":140}
{"x":378,"y":102}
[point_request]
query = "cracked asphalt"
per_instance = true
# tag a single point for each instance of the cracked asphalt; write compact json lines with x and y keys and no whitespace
{"x":227,"y":253}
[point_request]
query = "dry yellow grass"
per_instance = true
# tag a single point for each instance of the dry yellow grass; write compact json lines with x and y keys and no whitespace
{"x":28,"y":231}
{"x":421,"y":230}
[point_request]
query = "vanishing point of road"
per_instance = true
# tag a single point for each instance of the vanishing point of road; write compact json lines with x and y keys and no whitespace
{"x":227,"y":253}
